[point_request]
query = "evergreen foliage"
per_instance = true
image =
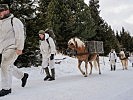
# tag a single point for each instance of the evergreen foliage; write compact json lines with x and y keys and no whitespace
{"x":103,"y":31}
{"x":126,"y":41}
{"x":25,"y":10}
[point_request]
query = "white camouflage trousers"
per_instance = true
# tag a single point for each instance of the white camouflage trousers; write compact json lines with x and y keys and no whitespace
{"x":47,"y":62}
{"x":112,"y":62}
{"x":8,"y":69}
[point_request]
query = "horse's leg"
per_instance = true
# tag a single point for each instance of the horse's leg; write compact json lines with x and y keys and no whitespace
{"x":99,"y":67}
{"x":126,"y":64}
{"x":91,"y":68}
{"x":97,"y":59}
{"x":79,"y":64}
{"x":124,"y":61}
{"x":122,"y":64}
{"x":86,"y":68}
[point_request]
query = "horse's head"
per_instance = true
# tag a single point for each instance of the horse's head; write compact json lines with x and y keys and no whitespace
{"x":122,"y":55}
{"x":71,"y":44}
{"x":75,"y":43}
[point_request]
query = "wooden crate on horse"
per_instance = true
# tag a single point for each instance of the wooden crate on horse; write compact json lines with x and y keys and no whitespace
{"x":95,"y":46}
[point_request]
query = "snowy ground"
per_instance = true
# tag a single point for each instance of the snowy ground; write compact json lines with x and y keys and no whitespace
{"x":71,"y":85}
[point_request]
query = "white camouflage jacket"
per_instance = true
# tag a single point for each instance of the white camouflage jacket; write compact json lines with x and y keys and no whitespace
{"x":11,"y":36}
{"x":47,"y":50}
{"x":112,"y":56}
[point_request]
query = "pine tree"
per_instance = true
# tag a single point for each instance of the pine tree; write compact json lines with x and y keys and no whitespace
{"x":85,"y":27}
{"x":94,"y":10}
{"x":103,"y":31}
{"x":125,"y":39}
{"x":68,"y":19}
{"x":25,"y":10}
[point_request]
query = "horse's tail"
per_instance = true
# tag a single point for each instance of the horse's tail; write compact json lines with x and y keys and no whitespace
{"x":95,"y":64}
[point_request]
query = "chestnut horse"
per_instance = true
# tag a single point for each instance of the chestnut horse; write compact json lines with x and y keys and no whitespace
{"x":124,"y":60}
{"x":83,"y":55}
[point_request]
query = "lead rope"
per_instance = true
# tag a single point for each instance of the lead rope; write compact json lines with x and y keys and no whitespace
{"x":42,"y":71}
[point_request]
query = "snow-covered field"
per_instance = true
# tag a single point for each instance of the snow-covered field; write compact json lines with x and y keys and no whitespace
{"x":71,"y":85}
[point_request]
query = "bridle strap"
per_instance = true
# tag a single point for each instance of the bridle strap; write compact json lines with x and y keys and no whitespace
{"x":80,"y":54}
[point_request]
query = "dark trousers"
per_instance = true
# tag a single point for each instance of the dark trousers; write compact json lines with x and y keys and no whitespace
{"x":0,"y":59}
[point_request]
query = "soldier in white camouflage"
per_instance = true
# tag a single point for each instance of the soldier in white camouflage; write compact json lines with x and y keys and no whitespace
{"x":11,"y":46}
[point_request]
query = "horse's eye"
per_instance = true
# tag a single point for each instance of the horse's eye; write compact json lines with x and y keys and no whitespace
{"x":71,"y":43}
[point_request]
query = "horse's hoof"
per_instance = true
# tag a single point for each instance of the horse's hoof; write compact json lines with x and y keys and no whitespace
{"x":85,"y":75}
{"x":99,"y":73}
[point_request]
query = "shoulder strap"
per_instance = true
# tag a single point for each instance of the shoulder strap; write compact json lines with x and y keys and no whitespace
{"x":12,"y":21}
{"x":110,"y":54}
{"x":23,"y":24}
{"x":48,"y":42}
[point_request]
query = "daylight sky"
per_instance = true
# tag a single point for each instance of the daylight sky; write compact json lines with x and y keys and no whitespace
{"x":117,"y":13}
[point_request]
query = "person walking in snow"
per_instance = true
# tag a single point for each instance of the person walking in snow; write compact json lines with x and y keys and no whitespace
{"x":11,"y":45}
{"x":131,"y":58}
{"x":112,"y":59}
{"x":48,"y":50}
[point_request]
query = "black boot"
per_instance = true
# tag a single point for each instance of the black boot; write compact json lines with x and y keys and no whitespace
{"x":47,"y":74}
{"x":53,"y":75}
{"x":24,"y":79}
{"x":4,"y":92}
{"x":114,"y":67}
{"x":0,"y":59}
{"x":111,"y":68}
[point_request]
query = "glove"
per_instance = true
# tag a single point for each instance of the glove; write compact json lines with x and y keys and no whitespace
{"x":52,"y":57}
{"x":115,"y":60}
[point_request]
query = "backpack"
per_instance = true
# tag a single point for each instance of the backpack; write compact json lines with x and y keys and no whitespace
{"x":23,"y":24}
{"x":50,"y":32}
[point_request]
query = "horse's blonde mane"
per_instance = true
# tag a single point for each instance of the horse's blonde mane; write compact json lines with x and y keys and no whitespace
{"x":122,"y":54}
{"x":79,"y":42}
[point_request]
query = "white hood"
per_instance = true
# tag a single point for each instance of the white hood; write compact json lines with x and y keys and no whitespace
{"x":46,"y":36}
